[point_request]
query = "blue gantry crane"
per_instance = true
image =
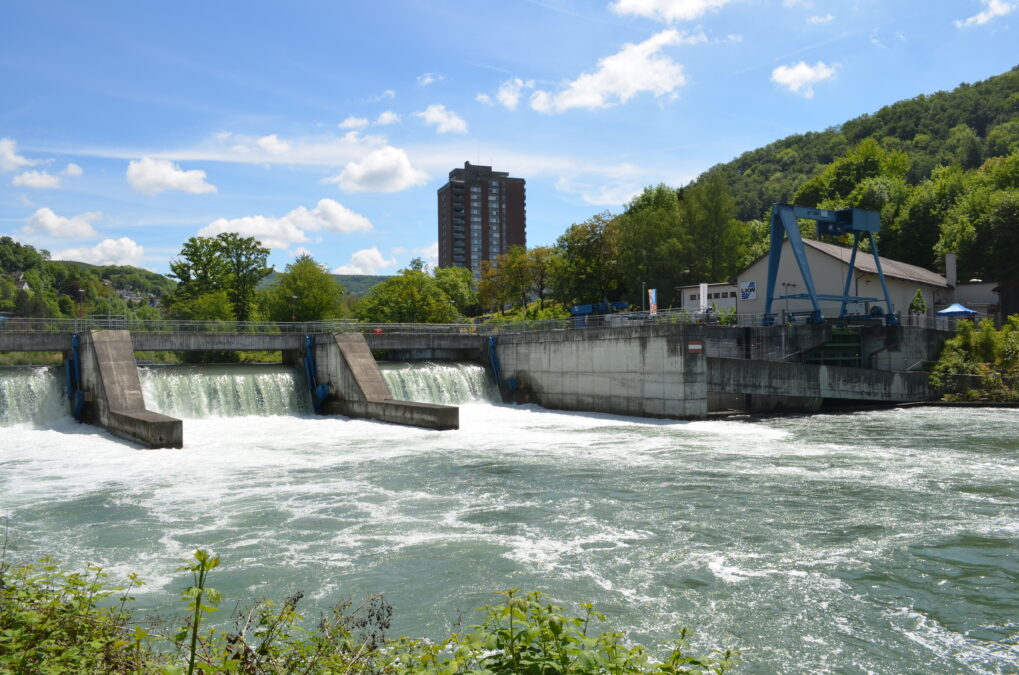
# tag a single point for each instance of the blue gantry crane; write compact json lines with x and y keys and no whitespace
{"x":856,"y":222}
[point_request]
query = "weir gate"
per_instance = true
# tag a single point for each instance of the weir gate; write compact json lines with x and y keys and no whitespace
{"x":650,"y":368}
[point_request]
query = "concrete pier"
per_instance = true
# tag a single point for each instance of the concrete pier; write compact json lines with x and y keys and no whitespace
{"x":344,"y":362}
{"x":110,"y":376}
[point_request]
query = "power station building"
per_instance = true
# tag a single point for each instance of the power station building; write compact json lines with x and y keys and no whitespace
{"x":481,"y":215}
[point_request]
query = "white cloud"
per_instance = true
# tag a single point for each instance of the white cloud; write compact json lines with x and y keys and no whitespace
{"x":995,"y":8}
{"x":387,"y":117}
{"x":385,"y":170}
{"x":46,"y":222}
{"x":445,"y":121}
{"x":388,"y":93}
{"x":72,"y":169}
{"x":509,"y":92}
{"x":331,"y":215}
{"x":430,"y":254}
{"x":820,"y":19}
{"x":25,"y":201}
{"x":277,"y":233}
{"x":273,"y":144}
{"x":797,"y":3}
{"x":152,"y":176}
{"x":667,"y":10}
{"x":484,"y":98}
{"x":425,"y":79}
{"x":603,"y":195}
{"x":799,"y":77}
{"x":10,"y":160}
{"x":354,"y":123}
{"x":121,"y":251}
{"x":634,"y":69}
{"x":366,"y":261}
{"x":38,"y":180}
{"x":281,"y":233}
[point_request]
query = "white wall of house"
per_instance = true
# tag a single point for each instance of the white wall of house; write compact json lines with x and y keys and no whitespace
{"x":722,"y":295}
{"x":829,"y":275}
{"x":979,"y":296}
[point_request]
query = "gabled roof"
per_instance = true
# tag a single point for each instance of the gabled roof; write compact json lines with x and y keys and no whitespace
{"x":891,"y":268}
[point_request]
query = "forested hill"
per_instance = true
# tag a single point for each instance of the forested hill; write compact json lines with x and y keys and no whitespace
{"x":963,"y":127}
{"x":355,"y":284}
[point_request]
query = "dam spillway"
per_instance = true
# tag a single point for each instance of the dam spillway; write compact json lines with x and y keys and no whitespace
{"x":194,"y":392}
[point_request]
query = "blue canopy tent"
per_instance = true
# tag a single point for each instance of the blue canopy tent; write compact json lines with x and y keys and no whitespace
{"x":956,"y":309}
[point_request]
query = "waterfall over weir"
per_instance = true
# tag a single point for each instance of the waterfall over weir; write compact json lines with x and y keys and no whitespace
{"x":31,"y":395}
{"x":442,"y":383}
{"x":192,"y":392}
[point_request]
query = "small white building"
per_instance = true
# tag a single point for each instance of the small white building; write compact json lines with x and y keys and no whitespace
{"x":722,"y":296}
{"x":829,"y":265}
{"x":978,"y":296}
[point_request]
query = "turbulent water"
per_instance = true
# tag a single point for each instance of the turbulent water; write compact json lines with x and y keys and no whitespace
{"x":445,"y":383}
{"x":868,"y":542}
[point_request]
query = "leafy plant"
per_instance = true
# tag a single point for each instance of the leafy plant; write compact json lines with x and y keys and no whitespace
{"x":58,"y":622}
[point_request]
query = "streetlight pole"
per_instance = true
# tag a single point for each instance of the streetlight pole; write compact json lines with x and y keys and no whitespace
{"x":643,"y":292}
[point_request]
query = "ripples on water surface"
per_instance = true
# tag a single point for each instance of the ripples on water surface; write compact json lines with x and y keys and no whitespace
{"x":866,"y":542}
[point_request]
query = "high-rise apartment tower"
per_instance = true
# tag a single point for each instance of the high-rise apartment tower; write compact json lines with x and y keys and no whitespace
{"x":481,"y":215}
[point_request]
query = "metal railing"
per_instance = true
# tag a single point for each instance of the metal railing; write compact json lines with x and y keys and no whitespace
{"x":620,"y":320}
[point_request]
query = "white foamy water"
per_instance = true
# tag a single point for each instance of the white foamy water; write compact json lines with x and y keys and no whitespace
{"x":869,"y":542}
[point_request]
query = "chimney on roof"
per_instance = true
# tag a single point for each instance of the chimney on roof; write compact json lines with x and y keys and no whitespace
{"x":951,"y":275}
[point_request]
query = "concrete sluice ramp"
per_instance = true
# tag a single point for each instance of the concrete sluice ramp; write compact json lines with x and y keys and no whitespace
{"x":110,"y":374}
{"x":345,"y":362}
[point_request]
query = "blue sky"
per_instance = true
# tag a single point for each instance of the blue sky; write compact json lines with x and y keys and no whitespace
{"x":326,"y":127}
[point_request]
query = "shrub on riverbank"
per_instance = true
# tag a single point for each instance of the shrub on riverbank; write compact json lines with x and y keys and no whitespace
{"x":52,"y":621}
{"x":980,"y":362}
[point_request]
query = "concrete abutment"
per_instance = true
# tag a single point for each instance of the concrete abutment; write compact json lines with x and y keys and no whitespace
{"x":109,"y":374}
{"x":345,"y":363}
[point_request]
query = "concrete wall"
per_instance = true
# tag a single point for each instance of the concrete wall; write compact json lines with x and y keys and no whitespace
{"x":345,"y":363}
{"x":644,"y":370}
{"x":13,"y":341}
{"x":901,"y":347}
{"x":217,"y":341}
{"x":808,"y":380}
{"x":408,"y":413}
{"x":109,"y":374}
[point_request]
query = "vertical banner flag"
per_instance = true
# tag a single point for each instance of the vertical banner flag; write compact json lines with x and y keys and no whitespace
{"x":652,"y":300}
{"x":704,"y":297}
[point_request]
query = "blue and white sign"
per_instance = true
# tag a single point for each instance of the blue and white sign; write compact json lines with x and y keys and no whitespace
{"x":748,"y":290}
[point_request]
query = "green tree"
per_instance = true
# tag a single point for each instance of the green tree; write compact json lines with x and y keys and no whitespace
{"x":588,"y":269}
{"x":227,"y":262}
{"x":16,"y":257}
{"x":458,"y":285}
{"x":716,"y":235}
{"x":542,"y":266}
{"x":963,"y":148}
{"x":305,"y":292}
{"x":913,"y":233}
{"x":409,"y":297}
{"x":245,"y":259}
{"x":211,"y":306}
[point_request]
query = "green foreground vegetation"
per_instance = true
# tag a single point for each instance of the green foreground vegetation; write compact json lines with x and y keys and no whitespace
{"x":53,"y":621}
{"x":980,"y":363}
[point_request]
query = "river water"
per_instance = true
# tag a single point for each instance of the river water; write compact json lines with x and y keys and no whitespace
{"x":883,"y":542}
